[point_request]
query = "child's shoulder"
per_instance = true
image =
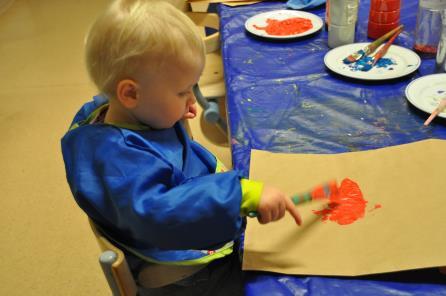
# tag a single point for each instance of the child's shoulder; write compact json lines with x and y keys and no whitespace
{"x":87,"y":109}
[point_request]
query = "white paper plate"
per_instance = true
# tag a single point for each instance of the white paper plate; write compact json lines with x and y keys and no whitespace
{"x":406,"y":61}
{"x":426,"y":92}
{"x":259,"y":20}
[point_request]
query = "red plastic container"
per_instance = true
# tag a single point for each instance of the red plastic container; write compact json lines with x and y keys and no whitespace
{"x":376,"y":30}
{"x":384,"y":17}
{"x":385,"y":5}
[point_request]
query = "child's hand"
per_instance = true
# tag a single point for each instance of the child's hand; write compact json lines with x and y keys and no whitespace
{"x":273,"y":204}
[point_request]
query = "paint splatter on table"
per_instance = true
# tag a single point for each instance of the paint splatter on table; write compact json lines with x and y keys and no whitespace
{"x":290,"y":26}
{"x":345,"y":206}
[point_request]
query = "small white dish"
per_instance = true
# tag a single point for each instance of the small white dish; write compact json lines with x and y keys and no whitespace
{"x":426,"y":92}
{"x":260,"y":20}
{"x":405,"y":62}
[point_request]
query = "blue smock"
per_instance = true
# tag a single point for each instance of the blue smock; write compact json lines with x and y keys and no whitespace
{"x":154,"y":191}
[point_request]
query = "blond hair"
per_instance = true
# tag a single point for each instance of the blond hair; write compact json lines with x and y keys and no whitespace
{"x":131,"y":32}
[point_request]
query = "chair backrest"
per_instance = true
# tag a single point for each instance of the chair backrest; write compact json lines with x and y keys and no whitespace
{"x":207,"y":20}
{"x":210,"y":91}
{"x":211,"y":81}
{"x":114,"y":266}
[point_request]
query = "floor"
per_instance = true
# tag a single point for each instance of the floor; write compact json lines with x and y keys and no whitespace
{"x":46,"y":245}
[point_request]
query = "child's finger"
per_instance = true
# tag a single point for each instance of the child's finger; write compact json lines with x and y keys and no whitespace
{"x":275,"y":214}
{"x":265,"y":217}
{"x":291,"y":208}
{"x":282,"y":210}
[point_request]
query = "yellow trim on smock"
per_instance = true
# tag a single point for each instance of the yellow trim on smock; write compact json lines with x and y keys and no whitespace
{"x":251,"y":193}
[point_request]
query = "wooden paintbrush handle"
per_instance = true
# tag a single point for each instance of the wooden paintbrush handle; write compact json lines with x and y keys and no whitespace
{"x":380,"y":40}
{"x":386,"y":46}
{"x":437,"y":111}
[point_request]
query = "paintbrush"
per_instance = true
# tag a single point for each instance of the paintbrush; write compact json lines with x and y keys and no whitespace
{"x":369,"y":63}
{"x":383,"y":50}
{"x":319,"y":192}
{"x":441,"y":106}
{"x":371,"y":47}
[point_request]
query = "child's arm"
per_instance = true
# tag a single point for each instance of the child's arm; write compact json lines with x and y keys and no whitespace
{"x":135,"y":193}
{"x":153,"y":203}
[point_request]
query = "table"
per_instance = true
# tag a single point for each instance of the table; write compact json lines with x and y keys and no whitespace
{"x":280,"y":97}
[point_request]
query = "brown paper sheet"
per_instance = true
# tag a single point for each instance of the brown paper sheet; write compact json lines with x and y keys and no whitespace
{"x":203,"y":5}
{"x":239,"y":3}
{"x":409,"y":181}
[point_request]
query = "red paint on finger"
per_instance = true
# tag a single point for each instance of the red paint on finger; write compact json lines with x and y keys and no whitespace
{"x":290,"y":26}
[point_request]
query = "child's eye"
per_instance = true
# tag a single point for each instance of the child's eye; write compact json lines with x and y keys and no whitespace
{"x":184,"y":93}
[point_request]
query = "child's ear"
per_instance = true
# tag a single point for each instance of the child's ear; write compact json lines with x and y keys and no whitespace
{"x":127,"y":93}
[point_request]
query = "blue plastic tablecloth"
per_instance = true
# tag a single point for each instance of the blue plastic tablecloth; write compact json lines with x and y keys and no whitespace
{"x":281,"y":97}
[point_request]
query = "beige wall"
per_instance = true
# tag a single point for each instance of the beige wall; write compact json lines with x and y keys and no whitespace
{"x":46,"y":245}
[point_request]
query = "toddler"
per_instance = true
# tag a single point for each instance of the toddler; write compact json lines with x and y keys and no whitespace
{"x":157,"y":194}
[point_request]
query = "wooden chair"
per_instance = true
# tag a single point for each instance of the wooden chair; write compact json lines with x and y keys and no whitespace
{"x":114,"y":266}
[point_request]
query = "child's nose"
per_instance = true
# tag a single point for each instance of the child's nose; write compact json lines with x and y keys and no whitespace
{"x":192,"y":99}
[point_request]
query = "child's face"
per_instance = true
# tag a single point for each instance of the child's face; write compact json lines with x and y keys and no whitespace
{"x":166,"y":97}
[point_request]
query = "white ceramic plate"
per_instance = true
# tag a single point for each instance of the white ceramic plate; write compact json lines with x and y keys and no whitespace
{"x":406,"y":61}
{"x":426,"y":92}
{"x":259,"y":20}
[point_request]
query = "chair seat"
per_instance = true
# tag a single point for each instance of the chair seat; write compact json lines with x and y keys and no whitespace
{"x":114,"y":265}
{"x":213,"y":90}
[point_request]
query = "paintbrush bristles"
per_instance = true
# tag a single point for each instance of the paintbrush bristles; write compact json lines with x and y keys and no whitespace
{"x":354,"y":57}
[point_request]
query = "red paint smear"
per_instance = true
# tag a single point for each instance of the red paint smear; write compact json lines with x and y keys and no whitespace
{"x":319,"y":191}
{"x":425,"y":48}
{"x":346,"y":205}
{"x":290,"y":26}
{"x":377,"y":206}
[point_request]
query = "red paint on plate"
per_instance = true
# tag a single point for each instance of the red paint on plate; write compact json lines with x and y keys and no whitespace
{"x":290,"y":26}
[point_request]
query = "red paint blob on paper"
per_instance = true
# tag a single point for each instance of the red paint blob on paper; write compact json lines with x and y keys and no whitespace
{"x":377,"y":206}
{"x":346,"y":205}
{"x":290,"y":26}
